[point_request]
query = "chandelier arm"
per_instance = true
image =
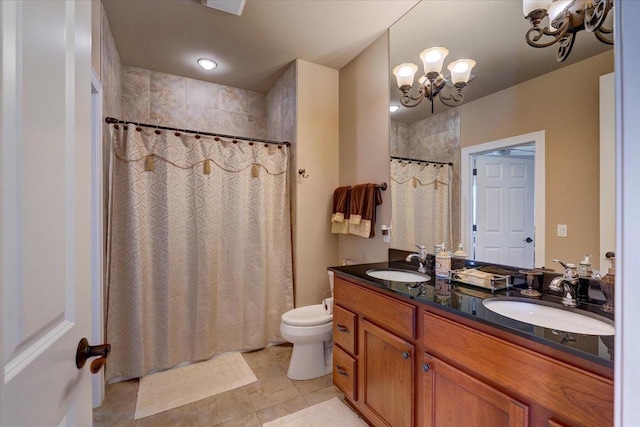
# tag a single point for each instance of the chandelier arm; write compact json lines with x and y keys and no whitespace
{"x":410,"y":101}
{"x":595,"y":15}
{"x":536,"y":33}
{"x":566,"y":44}
{"x":601,"y":34}
{"x":454,"y":98}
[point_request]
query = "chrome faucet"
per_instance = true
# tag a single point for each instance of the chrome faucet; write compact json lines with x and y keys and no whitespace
{"x":421,"y":256}
{"x":567,"y":284}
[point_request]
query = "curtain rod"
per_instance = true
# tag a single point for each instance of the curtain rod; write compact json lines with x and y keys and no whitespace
{"x":421,"y":161}
{"x":111,"y":120}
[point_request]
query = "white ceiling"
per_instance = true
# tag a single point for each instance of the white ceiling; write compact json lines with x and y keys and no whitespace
{"x":254,"y":49}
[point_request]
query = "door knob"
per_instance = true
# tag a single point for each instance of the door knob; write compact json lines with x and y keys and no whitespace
{"x":426,"y":367}
{"x":405,"y":355}
{"x":86,"y":351}
{"x":528,"y":240}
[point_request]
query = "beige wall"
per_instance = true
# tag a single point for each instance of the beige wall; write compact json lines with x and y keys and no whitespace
{"x":565,"y":105}
{"x":364,"y":140}
{"x":315,"y":248}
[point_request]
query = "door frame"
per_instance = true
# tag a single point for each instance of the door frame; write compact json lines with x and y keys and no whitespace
{"x":466,"y":186}
{"x":97,"y":232}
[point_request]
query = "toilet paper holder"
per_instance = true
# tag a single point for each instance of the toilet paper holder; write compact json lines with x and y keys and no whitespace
{"x":327,"y":302}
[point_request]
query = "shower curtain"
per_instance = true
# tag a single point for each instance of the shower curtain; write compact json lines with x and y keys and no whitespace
{"x":199,"y":248}
{"x":420,"y":205}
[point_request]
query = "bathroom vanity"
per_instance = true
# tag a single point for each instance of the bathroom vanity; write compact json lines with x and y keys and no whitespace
{"x":433,"y":355}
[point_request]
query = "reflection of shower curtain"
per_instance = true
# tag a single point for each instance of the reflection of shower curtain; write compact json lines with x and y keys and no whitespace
{"x":420,"y":205}
{"x":200,"y":248}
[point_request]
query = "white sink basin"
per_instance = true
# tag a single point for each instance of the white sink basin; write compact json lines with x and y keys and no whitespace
{"x":398,"y":275}
{"x":551,"y":317}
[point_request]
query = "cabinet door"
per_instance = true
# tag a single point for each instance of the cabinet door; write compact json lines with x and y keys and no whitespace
{"x":387,"y":370}
{"x":455,"y":399}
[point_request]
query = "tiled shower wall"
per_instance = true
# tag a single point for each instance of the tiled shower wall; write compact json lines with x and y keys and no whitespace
{"x":435,"y":138}
{"x":281,"y":107}
{"x":168,"y":100}
{"x":110,"y":69}
{"x":282,"y":125}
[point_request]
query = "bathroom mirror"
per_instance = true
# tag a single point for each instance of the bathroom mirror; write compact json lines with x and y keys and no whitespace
{"x":516,"y":90}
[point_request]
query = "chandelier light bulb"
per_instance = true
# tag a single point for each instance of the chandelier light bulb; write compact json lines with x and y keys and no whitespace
{"x":461,"y":70}
{"x":404,"y":74}
{"x":394,"y":108}
{"x":556,"y":8}
{"x":433,"y":58}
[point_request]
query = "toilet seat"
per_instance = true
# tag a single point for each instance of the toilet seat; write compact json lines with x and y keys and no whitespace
{"x":310,"y":315}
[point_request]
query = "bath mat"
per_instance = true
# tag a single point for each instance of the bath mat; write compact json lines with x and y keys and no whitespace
{"x":331,"y":413}
{"x":176,"y":387}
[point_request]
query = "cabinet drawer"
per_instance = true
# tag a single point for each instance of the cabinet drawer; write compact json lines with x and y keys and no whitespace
{"x":384,"y":310}
{"x":577,"y":395}
{"x":344,"y":329}
{"x":344,"y":372}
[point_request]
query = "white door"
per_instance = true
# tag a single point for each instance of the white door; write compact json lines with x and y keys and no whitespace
{"x":505,"y":210}
{"x":45,"y":211}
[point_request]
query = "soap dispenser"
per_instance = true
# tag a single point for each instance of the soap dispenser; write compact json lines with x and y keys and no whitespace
{"x":607,"y":284}
{"x":459,"y":257}
{"x":443,"y":262}
{"x":584,"y":267}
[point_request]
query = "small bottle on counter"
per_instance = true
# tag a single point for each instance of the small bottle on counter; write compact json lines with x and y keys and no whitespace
{"x":584,"y":268}
{"x":459,"y":257}
{"x":443,"y":262}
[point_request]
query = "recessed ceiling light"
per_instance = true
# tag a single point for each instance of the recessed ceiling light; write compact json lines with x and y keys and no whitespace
{"x":394,"y":108}
{"x":207,"y":64}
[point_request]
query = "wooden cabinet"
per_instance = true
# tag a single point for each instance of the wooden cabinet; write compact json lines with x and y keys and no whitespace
{"x":387,"y":371}
{"x":402,"y":363}
{"x":455,"y":399}
{"x":572,"y":393}
{"x":381,"y":354}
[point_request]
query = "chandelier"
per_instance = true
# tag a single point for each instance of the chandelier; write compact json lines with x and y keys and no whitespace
{"x":566,"y":18}
{"x":432,"y":83}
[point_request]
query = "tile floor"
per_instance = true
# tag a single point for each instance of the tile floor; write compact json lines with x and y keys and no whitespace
{"x":272,"y":396}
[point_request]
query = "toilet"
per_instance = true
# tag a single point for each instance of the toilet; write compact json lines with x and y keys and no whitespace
{"x":310,"y":329}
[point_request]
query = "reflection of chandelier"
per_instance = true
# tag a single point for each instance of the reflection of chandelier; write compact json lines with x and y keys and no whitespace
{"x":566,"y":18}
{"x":432,"y":83}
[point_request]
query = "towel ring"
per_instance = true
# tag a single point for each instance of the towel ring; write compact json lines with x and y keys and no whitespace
{"x":303,"y":173}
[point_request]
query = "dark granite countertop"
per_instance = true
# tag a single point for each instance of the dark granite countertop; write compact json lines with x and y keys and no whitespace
{"x":466,"y":300}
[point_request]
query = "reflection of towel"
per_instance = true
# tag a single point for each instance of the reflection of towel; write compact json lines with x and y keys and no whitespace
{"x":340,"y":212}
{"x":364,"y":199}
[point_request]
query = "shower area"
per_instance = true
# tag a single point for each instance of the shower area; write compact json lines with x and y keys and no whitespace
{"x":425,"y":181}
{"x":198,"y":218}
{"x":421,"y":203}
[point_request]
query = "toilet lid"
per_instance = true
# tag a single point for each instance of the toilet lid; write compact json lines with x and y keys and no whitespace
{"x":310,"y":315}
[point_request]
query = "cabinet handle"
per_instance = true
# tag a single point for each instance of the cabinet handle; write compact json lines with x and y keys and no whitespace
{"x":426,"y":367}
{"x":405,"y":355}
{"x":341,"y":371}
{"x":342,"y":328}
